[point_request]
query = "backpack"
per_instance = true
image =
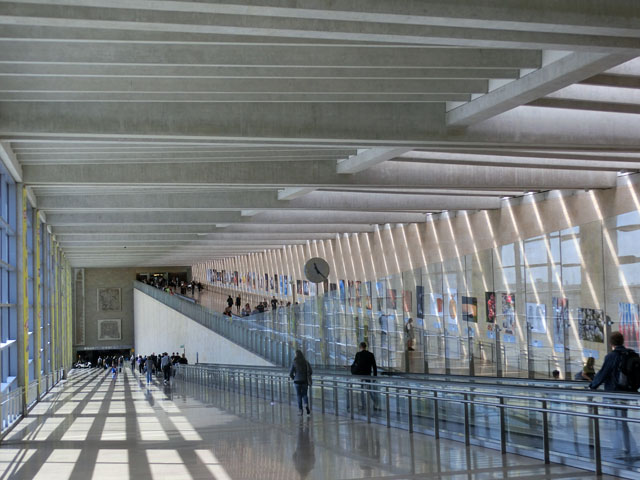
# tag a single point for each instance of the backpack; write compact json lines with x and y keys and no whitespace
{"x":628,"y":371}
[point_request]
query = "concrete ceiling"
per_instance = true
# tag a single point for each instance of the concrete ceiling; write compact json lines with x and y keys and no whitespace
{"x":189,"y":130}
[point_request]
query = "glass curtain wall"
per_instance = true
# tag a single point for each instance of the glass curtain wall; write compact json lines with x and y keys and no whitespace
{"x":8,"y":283}
{"x":523,"y":309}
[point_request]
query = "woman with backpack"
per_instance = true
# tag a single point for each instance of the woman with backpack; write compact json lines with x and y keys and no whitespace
{"x":300,"y":373}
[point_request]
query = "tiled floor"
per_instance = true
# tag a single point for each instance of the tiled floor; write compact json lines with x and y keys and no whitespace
{"x":94,"y":427}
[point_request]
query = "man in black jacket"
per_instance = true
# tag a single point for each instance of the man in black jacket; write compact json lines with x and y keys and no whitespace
{"x":363,"y":364}
{"x":608,"y":375}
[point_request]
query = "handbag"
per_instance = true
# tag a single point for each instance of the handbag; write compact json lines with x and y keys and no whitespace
{"x":354,"y":368}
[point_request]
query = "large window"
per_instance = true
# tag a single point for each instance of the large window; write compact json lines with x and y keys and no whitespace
{"x":8,"y":284}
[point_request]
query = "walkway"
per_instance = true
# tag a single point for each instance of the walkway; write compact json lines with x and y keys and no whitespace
{"x":93,"y":427}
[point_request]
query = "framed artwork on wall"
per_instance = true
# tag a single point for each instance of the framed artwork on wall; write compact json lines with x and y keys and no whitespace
{"x":109,"y":300}
{"x":110,"y":329}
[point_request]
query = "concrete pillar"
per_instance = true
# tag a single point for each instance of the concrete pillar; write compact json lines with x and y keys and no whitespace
{"x":22,"y":304}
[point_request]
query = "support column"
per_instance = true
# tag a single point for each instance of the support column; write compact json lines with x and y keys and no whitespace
{"x":37,"y":310}
{"x":22,"y":277}
{"x":53,"y":306}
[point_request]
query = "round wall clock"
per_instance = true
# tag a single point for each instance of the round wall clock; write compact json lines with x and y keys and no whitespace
{"x":316,"y":270}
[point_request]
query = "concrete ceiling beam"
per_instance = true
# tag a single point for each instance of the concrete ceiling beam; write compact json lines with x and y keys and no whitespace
{"x":47,"y":69}
{"x":368,"y":158}
{"x":233,"y":229}
{"x":564,"y":71}
{"x":323,"y":24}
{"x":153,"y":237}
{"x":316,"y":174}
{"x":261,"y":201}
{"x":276,"y":121}
{"x":276,"y":217}
{"x":96,"y":85}
{"x":390,"y":57}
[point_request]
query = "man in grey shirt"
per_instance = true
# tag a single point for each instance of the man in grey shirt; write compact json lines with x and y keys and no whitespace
{"x":165,"y":364}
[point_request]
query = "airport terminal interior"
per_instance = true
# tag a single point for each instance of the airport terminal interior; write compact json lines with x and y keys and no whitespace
{"x":453,"y":183}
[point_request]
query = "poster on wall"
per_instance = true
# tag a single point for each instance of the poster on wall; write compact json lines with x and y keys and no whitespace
{"x":560,"y":311}
{"x":271,"y":284}
{"x":305,"y":287}
{"x":313,"y":289}
{"x":491,"y":331}
{"x":299,"y":287}
{"x":407,"y":301}
{"x":591,"y":325}
{"x":437,"y":305}
{"x":358,"y":294}
{"x":285,"y":281}
{"x":275,"y":280}
{"x":368,"y":305}
{"x":537,"y":317}
{"x":333,"y":290}
{"x":420,"y":301}
{"x":380,"y":293}
{"x":452,"y":308}
{"x":351,"y":292}
{"x":490,"y":303}
{"x":281,"y":284}
{"x":629,"y":324}
{"x":343,"y":293}
{"x":470,"y":309}
{"x":508,"y":312}
{"x":391,"y":299}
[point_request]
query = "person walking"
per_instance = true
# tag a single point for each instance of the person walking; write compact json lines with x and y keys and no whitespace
{"x":149,"y":367}
{"x":611,"y":375}
{"x":363,"y":365}
{"x":165,"y":365}
{"x":230,"y":301}
{"x":411,"y":335}
{"x":300,"y":373}
{"x":238,"y":304}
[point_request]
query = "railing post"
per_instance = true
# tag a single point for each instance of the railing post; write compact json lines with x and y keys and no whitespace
{"x":466,"y":420}
{"x":368,"y":403}
{"x":335,"y":397}
{"x":503,"y":428}
{"x":272,"y":397}
{"x":596,"y":441}
{"x":350,"y":392}
{"x":410,"y":410}
{"x":387,"y":406}
{"x":322,"y":395}
{"x":436,"y":416}
{"x":545,"y":431}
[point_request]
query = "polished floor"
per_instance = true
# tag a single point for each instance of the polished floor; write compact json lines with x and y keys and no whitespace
{"x":95,"y":427}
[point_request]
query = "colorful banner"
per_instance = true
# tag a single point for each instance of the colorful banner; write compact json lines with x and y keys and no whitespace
{"x":629,"y":325}
{"x":508,"y":312}
{"x":537,"y":317}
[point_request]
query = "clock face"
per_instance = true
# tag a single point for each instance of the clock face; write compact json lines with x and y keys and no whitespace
{"x":316,"y":270}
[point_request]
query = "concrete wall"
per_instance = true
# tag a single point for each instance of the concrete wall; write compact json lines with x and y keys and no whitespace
{"x":97,"y":278}
{"x":159,"y":328}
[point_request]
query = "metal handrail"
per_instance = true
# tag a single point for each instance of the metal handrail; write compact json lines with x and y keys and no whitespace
{"x":12,"y":409}
{"x":237,"y":379}
{"x":400,"y":381}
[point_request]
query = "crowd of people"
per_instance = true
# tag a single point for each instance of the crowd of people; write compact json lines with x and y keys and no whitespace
{"x":174,"y":285}
{"x":162,"y":364}
{"x":245,"y":311}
